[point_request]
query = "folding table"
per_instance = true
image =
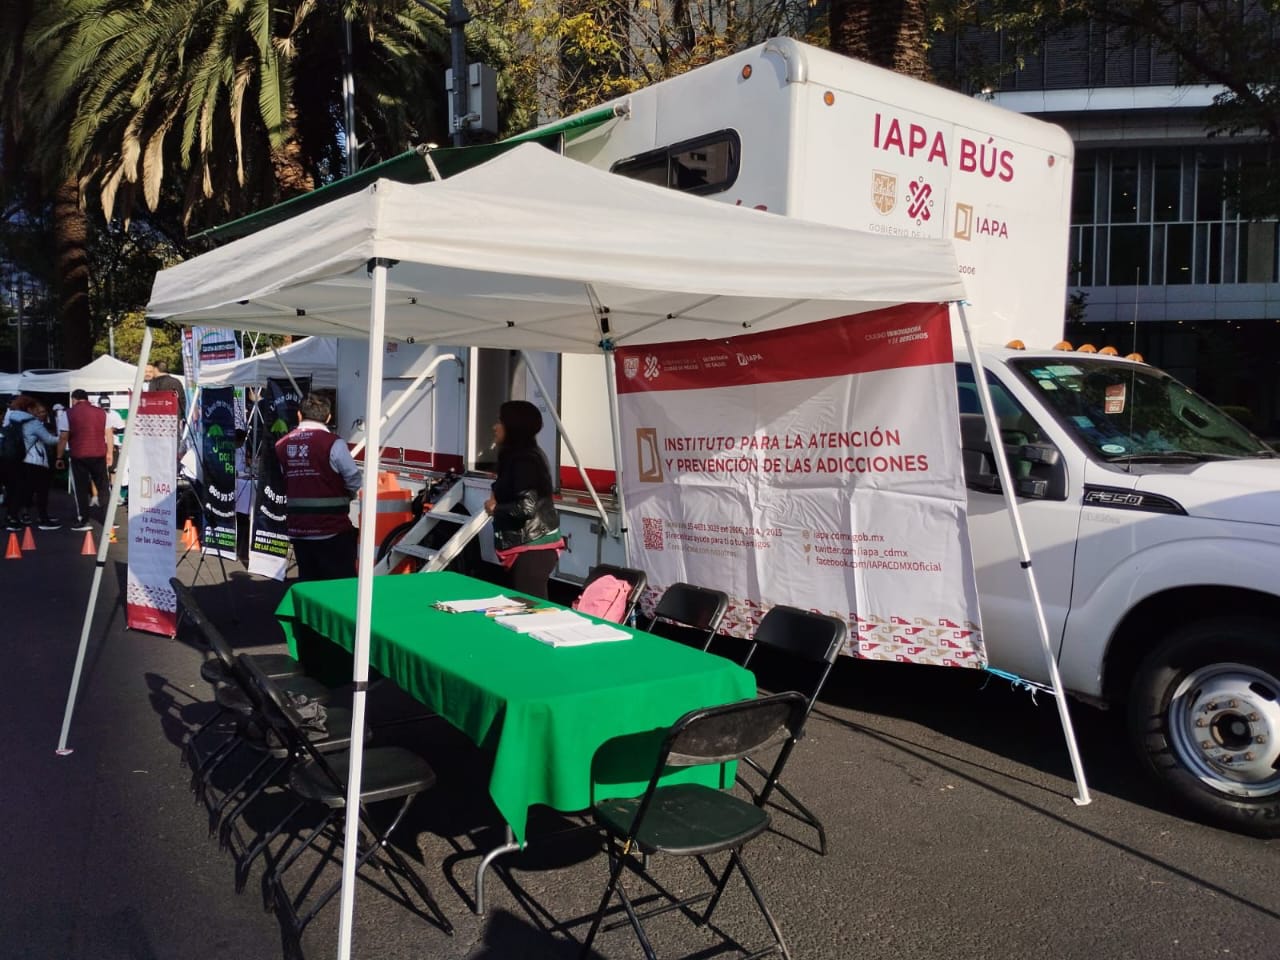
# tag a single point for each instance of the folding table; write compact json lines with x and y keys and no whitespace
{"x":543,"y":711}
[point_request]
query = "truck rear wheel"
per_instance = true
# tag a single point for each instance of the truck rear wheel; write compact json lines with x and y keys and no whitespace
{"x":1204,"y":716}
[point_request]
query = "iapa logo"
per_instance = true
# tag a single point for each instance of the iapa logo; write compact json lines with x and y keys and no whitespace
{"x":647,"y":458}
{"x":920,"y":201}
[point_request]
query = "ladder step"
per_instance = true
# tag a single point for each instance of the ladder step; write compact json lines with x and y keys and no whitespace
{"x":414,"y":550}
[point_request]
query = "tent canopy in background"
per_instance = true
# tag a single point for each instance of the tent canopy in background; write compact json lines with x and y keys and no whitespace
{"x":536,"y":251}
{"x":314,"y":357}
{"x":106,"y":374}
{"x":9,"y":382}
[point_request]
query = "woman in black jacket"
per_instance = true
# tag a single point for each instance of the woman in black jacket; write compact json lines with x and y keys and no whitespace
{"x":526,"y":527}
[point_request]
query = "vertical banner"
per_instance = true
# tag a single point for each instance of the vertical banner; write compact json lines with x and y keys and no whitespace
{"x":269,"y":537}
{"x":218,"y":459}
{"x":151,"y":604}
{"x":817,"y":466}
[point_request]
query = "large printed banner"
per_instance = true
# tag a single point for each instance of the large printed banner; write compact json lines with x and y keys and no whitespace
{"x":817,"y":466}
{"x":218,"y":463}
{"x":151,"y":604}
{"x":269,"y":540}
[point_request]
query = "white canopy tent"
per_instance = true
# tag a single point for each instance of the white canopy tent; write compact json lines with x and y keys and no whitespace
{"x":314,"y":357}
{"x":538,"y":252}
{"x":106,"y":374}
{"x":9,"y":382}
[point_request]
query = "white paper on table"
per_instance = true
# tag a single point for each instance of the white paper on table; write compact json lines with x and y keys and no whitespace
{"x":577,"y":636}
{"x":488,"y":604}
{"x":528,"y":622}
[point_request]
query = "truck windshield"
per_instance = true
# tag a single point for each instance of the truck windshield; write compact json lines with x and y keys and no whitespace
{"x":1131,"y":413}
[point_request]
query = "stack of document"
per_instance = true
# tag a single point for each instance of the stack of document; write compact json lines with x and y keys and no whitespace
{"x":563,"y":628}
{"x":494,"y":606}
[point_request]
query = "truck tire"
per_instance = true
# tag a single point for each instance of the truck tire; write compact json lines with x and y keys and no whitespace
{"x":1204,"y":718}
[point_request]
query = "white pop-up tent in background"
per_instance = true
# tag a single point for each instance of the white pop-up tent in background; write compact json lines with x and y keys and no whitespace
{"x":534,"y":251}
{"x":105,"y":374}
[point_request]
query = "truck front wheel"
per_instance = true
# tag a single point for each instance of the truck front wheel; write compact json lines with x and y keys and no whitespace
{"x":1204,"y":716}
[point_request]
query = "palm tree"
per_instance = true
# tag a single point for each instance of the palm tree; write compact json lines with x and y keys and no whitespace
{"x":889,"y":33}
{"x":238,"y":99}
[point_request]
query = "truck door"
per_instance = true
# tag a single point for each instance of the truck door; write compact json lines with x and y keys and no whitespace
{"x":1050,"y":519}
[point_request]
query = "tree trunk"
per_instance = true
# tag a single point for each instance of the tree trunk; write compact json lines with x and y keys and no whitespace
{"x":287,"y":163}
{"x":888,"y":33}
{"x":71,"y":271}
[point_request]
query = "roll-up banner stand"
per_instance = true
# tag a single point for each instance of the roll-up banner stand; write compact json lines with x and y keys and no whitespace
{"x":218,"y":458}
{"x":150,"y":602}
{"x":269,"y":537}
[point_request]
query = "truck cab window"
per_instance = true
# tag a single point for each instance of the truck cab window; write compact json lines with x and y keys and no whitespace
{"x":1016,"y":425}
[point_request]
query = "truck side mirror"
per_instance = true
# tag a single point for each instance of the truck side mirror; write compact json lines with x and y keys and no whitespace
{"x":1039,"y":472}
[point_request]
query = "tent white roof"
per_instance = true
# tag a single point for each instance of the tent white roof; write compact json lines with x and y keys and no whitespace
{"x":314,"y":357}
{"x":528,"y":250}
{"x":106,"y":374}
{"x":9,"y":382}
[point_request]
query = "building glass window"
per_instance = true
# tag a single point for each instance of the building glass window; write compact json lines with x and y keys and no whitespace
{"x":1169,"y":216}
{"x":1124,"y":187}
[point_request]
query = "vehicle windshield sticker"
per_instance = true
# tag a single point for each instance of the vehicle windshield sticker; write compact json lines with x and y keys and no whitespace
{"x":1047,"y":385}
{"x":1083,"y":422}
{"x":1041,"y":374}
{"x":1114,"y":399}
{"x":1065,"y":370}
{"x":1112,"y":448}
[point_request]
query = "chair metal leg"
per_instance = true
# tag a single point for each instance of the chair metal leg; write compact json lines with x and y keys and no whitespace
{"x":736,"y":857}
{"x":228,"y":822}
{"x":635,"y":923}
{"x":419,"y":885}
{"x":253,"y":851}
{"x":188,"y":754}
{"x":215,"y":812}
{"x":615,"y":869}
{"x":719,"y":889}
{"x":801,"y":812}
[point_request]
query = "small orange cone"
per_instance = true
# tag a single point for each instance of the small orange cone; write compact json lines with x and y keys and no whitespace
{"x":13,"y":552}
{"x":188,"y":534}
{"x":88,"y":549}
{"x":112,"y":538}
{"x":28,"y":540}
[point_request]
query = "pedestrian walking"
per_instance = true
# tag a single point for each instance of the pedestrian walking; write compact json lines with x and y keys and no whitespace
{"x":28,"y":478}
{"x":89,"y":443}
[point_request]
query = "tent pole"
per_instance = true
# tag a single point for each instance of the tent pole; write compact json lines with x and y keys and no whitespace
{"x":285,"y":367}
{"x":364,"y":598}
{"x":104,"y":541}
{"x":1024,"y":555}
{"x":408,"y":392}
{"x":568,"y":441}
{"x":611,"y":375}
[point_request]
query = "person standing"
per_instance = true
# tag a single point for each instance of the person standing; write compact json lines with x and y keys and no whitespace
{"x":89,"y":441}
{"x":30,"y":481}
{"x":526,"y":526}
{"x":158,"y":377}
{"x":320,"y":480}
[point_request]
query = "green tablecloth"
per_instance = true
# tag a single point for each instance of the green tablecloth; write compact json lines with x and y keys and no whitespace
{"x":544,"y":711}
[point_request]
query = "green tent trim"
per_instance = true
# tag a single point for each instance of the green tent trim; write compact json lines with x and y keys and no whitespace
{"x":412,"y":166}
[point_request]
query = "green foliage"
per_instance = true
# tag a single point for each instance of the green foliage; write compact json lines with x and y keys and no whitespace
{"x":166,"y":341}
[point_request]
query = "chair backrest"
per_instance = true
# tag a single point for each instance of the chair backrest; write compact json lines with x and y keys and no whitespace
{"x":207,"y":631}
{"x":729,"y":732}
{"x":283,"y":717}
{"x":697,"y":608}
{"x":637,"y":578}
{"x":813,"y":637}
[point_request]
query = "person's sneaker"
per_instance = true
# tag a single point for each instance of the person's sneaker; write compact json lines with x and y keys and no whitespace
{"x":49,"y":523}
{"x":82,"y":525}
{"x":13,"y":524}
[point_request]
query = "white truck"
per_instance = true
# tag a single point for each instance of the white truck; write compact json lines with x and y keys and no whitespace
{"x":1153,"y":518}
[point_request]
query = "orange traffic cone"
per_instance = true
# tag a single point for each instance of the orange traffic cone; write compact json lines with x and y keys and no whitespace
{"x":28,"y":540}
{"x":188,"y":533}
{"x":112,"y":538}
{"x":88,"y":549}
{"x":13,"y":552}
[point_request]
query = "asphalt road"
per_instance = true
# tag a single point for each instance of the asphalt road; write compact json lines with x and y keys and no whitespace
{"x":947,"y":798}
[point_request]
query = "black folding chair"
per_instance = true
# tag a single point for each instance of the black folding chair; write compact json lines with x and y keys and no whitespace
{"x":388,"y":773}
{"x":694,"y":608}
{"x":690,"y":820}
{"x":637,"y":578}
{"x":812,"y":637}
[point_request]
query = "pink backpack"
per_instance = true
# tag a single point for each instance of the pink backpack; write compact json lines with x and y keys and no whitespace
{"x":604,"y":597}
